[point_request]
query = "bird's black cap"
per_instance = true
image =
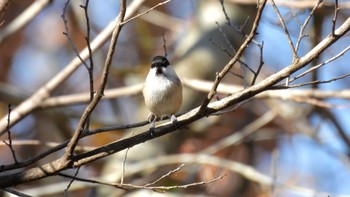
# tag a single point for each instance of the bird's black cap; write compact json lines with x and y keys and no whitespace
{"x":159,"y":61}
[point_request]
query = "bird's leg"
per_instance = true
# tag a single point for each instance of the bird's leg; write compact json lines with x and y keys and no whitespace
{"x":162,"y":117}
{"x":152,"y":119}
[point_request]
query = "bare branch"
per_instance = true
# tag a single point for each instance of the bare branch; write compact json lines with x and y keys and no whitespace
{"x":146,"y":12}
{"x":334,"y":20}
{"x":321,"y":64}
{"x":302,"y":28}
{"x":316,"y":82}
{"x":66,"y":33}
{"x":286,"y":32}
{"x":165,"y":175}
{"x":71,"y":181}
{"x":123,"y":165}
{"x":155,"y":188}
{"x":90,"y":68}
{"x":237,"y":56}
{"x":100,"y":92}
{"x":9,"y":143}
{"x":261,"y":63}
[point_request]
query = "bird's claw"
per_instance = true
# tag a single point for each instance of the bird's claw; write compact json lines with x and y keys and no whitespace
{"x":174,"y":121}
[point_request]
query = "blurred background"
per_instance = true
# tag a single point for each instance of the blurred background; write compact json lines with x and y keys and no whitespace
{"x":302,"y":148}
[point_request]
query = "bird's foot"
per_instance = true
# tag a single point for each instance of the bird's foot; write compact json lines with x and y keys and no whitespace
{"x":152,"y":120}
{"x":174,"y":121}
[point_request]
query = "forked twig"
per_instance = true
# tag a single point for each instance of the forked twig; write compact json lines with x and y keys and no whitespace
{"x":321,"y":64}
{"x":135,"y":187}
{"x":100,"y":92}
{"x":165,"y":175}
{"x":227,"y":68}
{"x":302,"y":28}
{"x":334,"y":20}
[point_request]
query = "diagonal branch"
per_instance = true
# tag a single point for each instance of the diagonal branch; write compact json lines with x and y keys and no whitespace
{"x":100,"y":92}
{"x":33,"y":102}
{"x":286,"y":32}
{"x":236,"y":58}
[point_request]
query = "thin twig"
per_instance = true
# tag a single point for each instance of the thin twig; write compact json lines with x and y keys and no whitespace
{"x":286,"y":32}
{"x":302,"y":28}
{"x":135,"y":187}
{"x":234,"y":27}
{"x":261,"y":63}
{"x":221,"y":48}
{"x":321,"y":64}
{"x":334,"y":20}
{"x":165,"y":175}
{"x":71,"y":181}
{"x":231,"y":47}
{"x":100,"y":92}
{"x":67,"y":34}
{"x":240,"y":30}
{"x":317,"y":81}
{"x":226,"y":39}
{"x":146,"y":12}
{"x":90,"y":68}
{"x":87,"y":39}
{"x":9,"y":143}
{"x":123,"y":165}
{"x":237,"y":56}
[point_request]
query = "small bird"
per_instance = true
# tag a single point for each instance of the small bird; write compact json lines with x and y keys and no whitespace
{"x":162,"y":90}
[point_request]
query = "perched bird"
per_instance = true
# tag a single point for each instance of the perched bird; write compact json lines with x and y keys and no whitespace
{"x":162,"y":90}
